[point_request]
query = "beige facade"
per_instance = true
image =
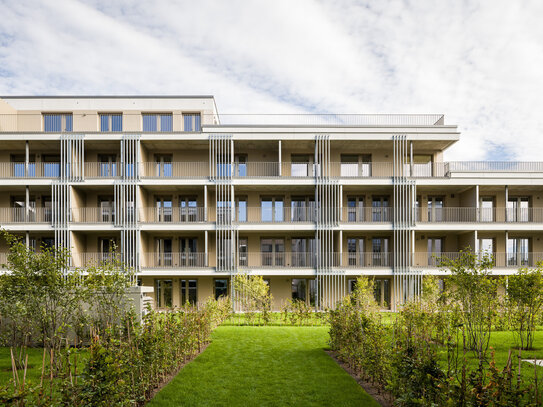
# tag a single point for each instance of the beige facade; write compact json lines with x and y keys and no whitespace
{"x":190,"y":197}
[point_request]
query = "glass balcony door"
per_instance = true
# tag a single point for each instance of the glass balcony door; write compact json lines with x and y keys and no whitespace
{"x":518,"y":209}
{"x":272,"y":210}
{"x":163,"y":166}
{"x":380,"y":209}
{"x":380,"y":252}
{"x":164,"y":252}
{"x":355,"y":251}
{"x":189,"y":252}
{"x":518,"y":252}
{"x":108,"y":165}
{"x":355,"y":209}
{"x":435,"y":209}
{"x":188,"y":209}
{"x":304,"y":252}
{"x":273,"y":252}
{"x":164,"y":209}
{"x":486,"y":207}
{"x":435,"y":251}
{"x":107,"y":210}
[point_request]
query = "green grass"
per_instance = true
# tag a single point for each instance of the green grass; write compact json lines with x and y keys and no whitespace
{"x":264,"y":366}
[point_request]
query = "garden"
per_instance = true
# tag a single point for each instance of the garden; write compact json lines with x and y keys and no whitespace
{"x":70,"y":338}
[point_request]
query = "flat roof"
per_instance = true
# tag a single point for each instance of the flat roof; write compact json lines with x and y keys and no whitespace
{"x":111,"y":97}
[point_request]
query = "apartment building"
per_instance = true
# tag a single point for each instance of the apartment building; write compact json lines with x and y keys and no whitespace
{"x":190,"y":197}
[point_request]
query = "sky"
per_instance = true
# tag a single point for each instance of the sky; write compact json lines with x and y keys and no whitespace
{"x":478,"y":62}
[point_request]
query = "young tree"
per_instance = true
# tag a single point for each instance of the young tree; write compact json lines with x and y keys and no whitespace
{"x":525,"y":300}
{"x":253,"y":294}
{"x":474,"y":294}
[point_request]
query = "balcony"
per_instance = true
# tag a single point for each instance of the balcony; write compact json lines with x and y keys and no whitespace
{"x":93,"y":215}
{"x":33,"y":170}
{"x":172,"y":215}
{"x":501,"y":259}
{"x":478,"y":215}
{"x":174,"y":260}
{"x":23,"y":215}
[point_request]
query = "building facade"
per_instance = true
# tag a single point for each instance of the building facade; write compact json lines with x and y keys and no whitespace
{"x":189,"y":197}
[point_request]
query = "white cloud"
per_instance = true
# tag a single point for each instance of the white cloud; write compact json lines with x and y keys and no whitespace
{"x":477,"y":62}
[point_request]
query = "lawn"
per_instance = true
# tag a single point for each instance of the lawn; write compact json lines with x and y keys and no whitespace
{"x":264,"y":366}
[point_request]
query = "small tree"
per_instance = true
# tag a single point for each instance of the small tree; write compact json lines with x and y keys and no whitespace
{"x":253,"y":294}
{"x":525,"y":300}
{"x":474,"y":294}
{"x":363,"y":294}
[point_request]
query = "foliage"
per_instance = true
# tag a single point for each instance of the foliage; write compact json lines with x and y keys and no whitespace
{"x":474,"y":295}
{"x":525,"y":301}
{"x":298,"y":312}
{"x":252,"y":295}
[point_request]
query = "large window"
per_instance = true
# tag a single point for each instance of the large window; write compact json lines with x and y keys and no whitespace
{"x":158,"y":122}
{"x":243,"y":252}
{"x":300,"y":166}
{"x":163,"y":165}
{"x":51,"y":166}
{"x":435,"y":250}
{"x":355,"y":251}
{"x":108,"y":165}
{"x":163,"y":293}
{"x":221,"y":288}
{"x":272,"y":210}
{"x":188,"y":209}
{"x":107,"y":209}
{"x":240,"y":163}
{"x":299,"y":289}
{"x":355,"y":209}
{"x":163,"y":208}
{"x":111,"y":122}
{"x":380,"y":252}
{"x":189,"y":291}
{"x":241,"y":203}
{"x":192,"y":121}
{"x":518,"y":252}
{"x":304,"y":252}
{"x":57,"y":122}
{"x":518,"y":209}
{"x":164,"y":252}
{"x":380,"y":210}
{"x":302,"y":209}
{"x":486,"y":205}
{"x":273,"y":252}
{"x":18,"y":162}
{"x":435,"y":209}
{"x":188,"y":248}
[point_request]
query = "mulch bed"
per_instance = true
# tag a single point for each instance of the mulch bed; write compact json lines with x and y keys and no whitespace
{"x":382,"y":398}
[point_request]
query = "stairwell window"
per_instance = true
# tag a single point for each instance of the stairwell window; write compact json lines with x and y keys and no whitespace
{"x":192,"y":121}
{"x":111,"y":122}
{"x":57,"y":122}
{"x":157,"y":122}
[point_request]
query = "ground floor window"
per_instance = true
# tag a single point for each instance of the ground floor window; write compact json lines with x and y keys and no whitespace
{"x":189,"y":291}
{"x":163,"y":293}
{"x":304,"y":290}
{"x":221,"y":288}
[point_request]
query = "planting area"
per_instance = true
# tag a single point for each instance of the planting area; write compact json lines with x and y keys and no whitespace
{"x":271,"y":365}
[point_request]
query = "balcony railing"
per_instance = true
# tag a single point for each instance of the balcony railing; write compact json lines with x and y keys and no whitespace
{"x":87,"y":259}
{"x":174,"y":170}
{"x":23,"y":215}
{"x":93,"y":215}
{"x":174,"y":260}
{"x":172,"y":215}
{"x":33,"y":170}
{"x":501,"y":259}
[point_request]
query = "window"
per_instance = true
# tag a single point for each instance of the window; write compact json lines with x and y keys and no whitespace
{"x":51,"y":166}
{"x":57,"y":122}
{"x":188,"y":247}
{"x":379,"y":209}
{"x":300,"y":165}
{"x":192,"y":121}
{"x":111,"y":122}
{"x":435,"y":250}
{"x":518,"y":252}
{"x":304,"y":252}
{"x":242,"y":209}
{"x":164,"y":252}
{"x":221,"y":288}
{"x":107,"y":209}
{"x":47,"y":243}
{"x":158,"y":122}
{"x":224,"y":212}
{"x":518,"y":209}
{"x":189,"y":291}
{"x":243,"y":252}
{"x":355,"y":165}
{"x":163,"y":165}
{"x":435,"y":209}
{"x":355,"y":209}
{"x":240,"y":162}
{"x":271,"y":210}
{"x":486,"y":205}
{"x":108,"y":165}
{"x":299,"y":289}
{"x":302,"y":209}
{"x":355,"y":251}
{"x":188,"y":209}
{"x":163,"y":293}
{"x":380,"y":252}
{"x":273,"y":252}
{"x":18,"y":162}
{"x":163,"y":208}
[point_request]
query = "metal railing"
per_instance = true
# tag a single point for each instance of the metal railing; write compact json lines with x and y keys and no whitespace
{"x":23,"y":215}
{"x":33,"y":170}
{"x":500,"y":259}
{"x":87,"y":259}
{"x":172,"y":215}
{"x":174,"y":260}
{"x":93,"y":215}
{"x":357,"y":214}
{"x":174,"y":170}
{"x":495,"y":166}
{"x":102,"y":170}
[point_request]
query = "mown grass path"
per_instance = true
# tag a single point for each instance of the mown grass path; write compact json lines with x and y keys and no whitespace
{"x":264,"y":366}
